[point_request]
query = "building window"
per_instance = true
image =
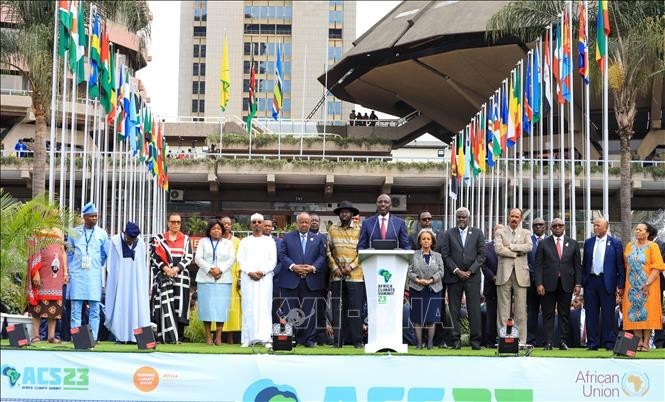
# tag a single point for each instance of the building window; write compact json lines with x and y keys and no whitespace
{"x":267,"y":29}
{"x":199,"y":31}
{"x":195,"y":69}
{"x":195,"y":87}
{"x":335,"y":17}
{"x":202,"y":106}
{"x":202,"y":69}
{"x":203,"y":50}
{"x":335,"y":33}
{"x":196,"y":51}
{"x":195,"y":105}
{"x":199,"y":87}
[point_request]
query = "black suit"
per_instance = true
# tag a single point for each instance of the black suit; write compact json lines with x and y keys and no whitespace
{"x":559,"y":276}
{"x":469,"y":257}
{"x":489,"y":291}
{"x":533,"y":300}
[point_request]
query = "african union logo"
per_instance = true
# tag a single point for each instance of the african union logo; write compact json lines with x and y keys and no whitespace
{"x":635,"y":384}
{"x":266,"y":390}
{"x":11,"y":373}
{"x":385,"y":274}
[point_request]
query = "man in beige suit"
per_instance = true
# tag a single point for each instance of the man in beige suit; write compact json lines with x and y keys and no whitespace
{"x":513,"y":244}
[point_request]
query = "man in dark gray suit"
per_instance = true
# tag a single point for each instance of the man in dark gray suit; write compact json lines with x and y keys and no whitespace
{"x":463,"y":252}
{"x":558,"y":276}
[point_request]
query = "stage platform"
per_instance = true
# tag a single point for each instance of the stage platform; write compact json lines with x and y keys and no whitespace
{"x":120,"y":372}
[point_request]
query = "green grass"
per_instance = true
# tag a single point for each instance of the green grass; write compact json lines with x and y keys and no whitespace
{"x":326,"y":350}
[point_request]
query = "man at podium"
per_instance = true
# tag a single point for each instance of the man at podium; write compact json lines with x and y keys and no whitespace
{"x":384,"y":226}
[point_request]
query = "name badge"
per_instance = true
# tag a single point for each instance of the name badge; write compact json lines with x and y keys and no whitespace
{"x":86,"y":262}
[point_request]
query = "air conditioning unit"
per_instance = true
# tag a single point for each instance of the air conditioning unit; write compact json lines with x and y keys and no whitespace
{"x":177,"y":195}
{"x":398,"y":202}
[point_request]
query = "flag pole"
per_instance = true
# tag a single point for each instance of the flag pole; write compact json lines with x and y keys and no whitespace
{"x":606,"y":195}
{"x":63,"y":130}
{"x":304,"y":83}
{"x":532,"y":165}
{"x":520,"y":113}
{"x":105,"y":173}
{"x":506,"y":159}
{"x":550,"y":193}
{"x":84,"y":167}
{"x":587,"y":129}
{"x":72,"y":140}
{"x":571,"y":128}
{"x":54,"y":92}
{"x":541,"y":205}
{"x":562,"y":131}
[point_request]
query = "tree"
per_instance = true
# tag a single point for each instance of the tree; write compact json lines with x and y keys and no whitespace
{"x":26,"y":45}
{"x":636,"y":51}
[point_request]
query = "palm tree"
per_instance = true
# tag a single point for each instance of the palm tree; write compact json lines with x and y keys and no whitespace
{"x":636,"y":51}
{"x":26,"y":45}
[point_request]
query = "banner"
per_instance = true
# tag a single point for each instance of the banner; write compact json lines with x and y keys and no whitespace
{"x":30,"y":375}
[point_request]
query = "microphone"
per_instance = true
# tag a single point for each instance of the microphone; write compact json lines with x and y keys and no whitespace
{"x":395,"y":232}
{"x":372,"y":234}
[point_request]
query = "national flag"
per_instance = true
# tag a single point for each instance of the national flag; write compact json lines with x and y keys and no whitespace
{"x":481,"y":137}
{"x":518,"y":101}
{"x":490,"y":134}
{"x":496,"y":131}
{"x":602,"y":34}
{"x":475,"y":147}
{"x":95,"y":57}
{"x":114,"y":85}
{"x":64,"y":27}
{"x":547,"y":71}
{"x":536,"y":82}
{"x":225,"y":78}
{"x":558,"y":50}
{"x":77,"y":41}
{"x":461,"y":160}
{"x":277,"y":89}
{"x":583,"y":46}
{"x":504,"y":118}
{"x":567,"y":62}
{"x":106,"y":83}
{"x":252,"y":98}
{"x":468,"y":157}
{"x":528,"y":100}
{"x":452,"y":193}
{"x":511,"y":136}
{"x":132,"y":122}
{"x":120,"y":108}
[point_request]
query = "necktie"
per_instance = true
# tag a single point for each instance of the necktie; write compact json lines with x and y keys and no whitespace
{"x":303,"y":242}
{"x":597,"y":258}
{"x":463,"y":234}
{"x":558,"y":247}
{"x":384,"y":229}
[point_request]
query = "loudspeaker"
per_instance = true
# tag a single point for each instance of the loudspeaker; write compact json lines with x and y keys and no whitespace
{"x":145,"y":338}
{"x":626,"y":344}
{"x":282,"y":337}
{"x":509,"y":338}
{"x":82,"y":337}
{"x":18,"y":335}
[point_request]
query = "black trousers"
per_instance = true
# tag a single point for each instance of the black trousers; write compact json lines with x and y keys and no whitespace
{"x":491,"y":332}
{"x":533,"y":303}
{"x":471,"y":288}
{"x":306,"y":300}
{"x":561,"y":300}
{"x":347,"y":307}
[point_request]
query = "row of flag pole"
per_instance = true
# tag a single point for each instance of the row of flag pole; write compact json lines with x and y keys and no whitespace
{"x":123,"y":158}
{"x":490,"y":147}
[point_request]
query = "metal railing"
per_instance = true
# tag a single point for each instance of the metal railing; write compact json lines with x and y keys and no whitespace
{"x":13,"y":91}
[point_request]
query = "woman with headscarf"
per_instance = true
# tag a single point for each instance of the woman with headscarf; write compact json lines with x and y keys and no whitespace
{"x":642,"y":311}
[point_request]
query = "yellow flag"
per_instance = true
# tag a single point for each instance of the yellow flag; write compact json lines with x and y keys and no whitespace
{"x":225,"y":78}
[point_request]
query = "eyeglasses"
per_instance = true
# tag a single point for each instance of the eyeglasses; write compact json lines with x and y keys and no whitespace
{"x":557,"y":226}
{"x":175,"y":222}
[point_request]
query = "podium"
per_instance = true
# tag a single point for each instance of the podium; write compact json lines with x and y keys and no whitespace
{"x":385,"y":277}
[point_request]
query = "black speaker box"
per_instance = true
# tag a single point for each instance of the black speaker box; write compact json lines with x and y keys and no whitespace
{"x":82,"y":337}
{"x":145,"y":338}
{"x":626,"y":344}
{"x":282,"y":337}
{"x":18,"y":335}
{"x":509,"y":345}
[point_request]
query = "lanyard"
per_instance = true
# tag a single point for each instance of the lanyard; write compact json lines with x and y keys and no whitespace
{"x":214,"y":250}
{"x":87,"y":239}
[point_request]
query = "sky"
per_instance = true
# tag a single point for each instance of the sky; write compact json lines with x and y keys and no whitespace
{"x":159,"y":75}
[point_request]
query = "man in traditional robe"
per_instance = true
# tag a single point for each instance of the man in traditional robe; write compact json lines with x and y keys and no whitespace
{"x":127,"y":284}
{"x":257,"y":256}
{"x":88,"y":256}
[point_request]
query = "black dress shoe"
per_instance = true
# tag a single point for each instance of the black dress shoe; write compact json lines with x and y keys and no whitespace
{"x":592,"y":348}
{"x":310,"y":344}
{"x":358,"y":345}
{"x":457,"y":345}
{"x":563,"y":346}
{"x":548,"y":346}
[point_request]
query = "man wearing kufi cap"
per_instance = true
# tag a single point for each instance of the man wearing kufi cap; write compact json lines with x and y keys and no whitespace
{"x":257,"y":256}
{"x":127,"y":284}
{"x":88,"y":256}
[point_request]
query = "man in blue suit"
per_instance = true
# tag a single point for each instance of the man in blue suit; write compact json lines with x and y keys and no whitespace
{"x":603,"y":274}
{"x":384,"y":226}
{"x":533,"y":301}
{"x":302,"y":277}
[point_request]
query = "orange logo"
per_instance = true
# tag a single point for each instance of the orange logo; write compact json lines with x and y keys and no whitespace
{"x":146,"y":379}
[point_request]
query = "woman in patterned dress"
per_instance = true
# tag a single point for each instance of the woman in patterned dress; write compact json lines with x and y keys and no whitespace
{"x":47,"y":271}
{"x":641,"y":305}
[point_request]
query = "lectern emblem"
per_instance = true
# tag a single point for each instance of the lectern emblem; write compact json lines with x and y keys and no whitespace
{"x":386,"y":275}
